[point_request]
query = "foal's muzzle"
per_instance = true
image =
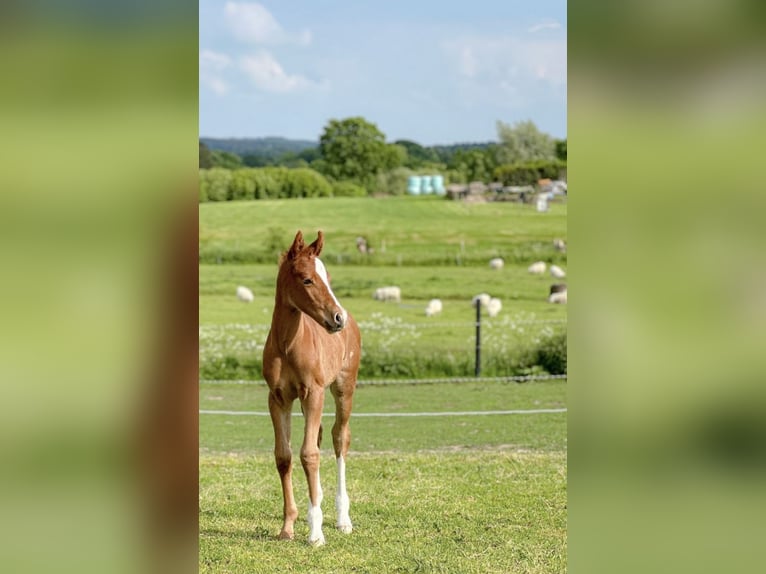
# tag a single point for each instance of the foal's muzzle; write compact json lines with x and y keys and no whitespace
{"x":337,"y":323}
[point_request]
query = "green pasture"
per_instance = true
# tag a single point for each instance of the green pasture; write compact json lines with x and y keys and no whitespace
{"x":221,"y":433}
{"x":425,"y":239}
{"x":457,"y":493}
{"x":403,"y":231}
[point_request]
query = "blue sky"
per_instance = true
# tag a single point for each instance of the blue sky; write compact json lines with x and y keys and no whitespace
{"x":435,"y":72}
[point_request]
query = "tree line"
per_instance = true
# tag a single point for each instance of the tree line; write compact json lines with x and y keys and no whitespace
{"x":353,"y":158}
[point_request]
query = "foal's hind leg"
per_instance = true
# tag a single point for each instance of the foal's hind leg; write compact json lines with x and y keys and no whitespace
{"x":281,"y":417}
{"x":341,"y":439}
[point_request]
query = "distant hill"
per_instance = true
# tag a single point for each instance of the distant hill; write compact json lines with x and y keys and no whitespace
{"x":266,"y":147}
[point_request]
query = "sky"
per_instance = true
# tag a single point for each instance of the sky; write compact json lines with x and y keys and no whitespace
{"x":431,"y":71}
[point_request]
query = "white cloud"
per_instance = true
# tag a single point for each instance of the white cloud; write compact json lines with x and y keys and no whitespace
{"x":490,"y":61}
{"x":267,"y":74}
{"x":211,"y":67}
{"x":252,"y":23}
{"x":544,"y":25}
{"x":505,"y":71}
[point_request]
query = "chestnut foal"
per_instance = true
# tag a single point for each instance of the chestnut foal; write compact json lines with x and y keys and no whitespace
{"x":313,"y":343}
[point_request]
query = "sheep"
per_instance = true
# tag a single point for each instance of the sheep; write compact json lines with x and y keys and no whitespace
{"x":494,"y":307}
{"x":388,"y":294}
{"x":434,"y":307}
{"x":559,"y":245}
{"x":244,"y":294}
{"x":482,"y":298}
{"x":557,"y":272}
{"x":537,"y":268}
{"x":496,"y":263}
{"x":558,"y":293}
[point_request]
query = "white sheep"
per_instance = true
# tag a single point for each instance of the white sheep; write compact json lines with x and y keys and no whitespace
{"x":482,"y":298}
{"x":559,"y":245}
{"x":434,"y":307}
{"x":388,"y":294}
{"x":244,"y":294}
{"x":557,"y":272}
{"x":494,"y":307}
{"x":558,"y":297}
{"x":496,"y":263}
{"x":537,"y":268}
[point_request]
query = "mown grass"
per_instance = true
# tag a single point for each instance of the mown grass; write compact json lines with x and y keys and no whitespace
{"x":221,"y":433}
{"x":475,"y":512}
{"x":431,"y":494}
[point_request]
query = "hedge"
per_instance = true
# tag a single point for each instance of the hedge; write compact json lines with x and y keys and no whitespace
{"x":218,"y":184}
{"x":528,"y":173}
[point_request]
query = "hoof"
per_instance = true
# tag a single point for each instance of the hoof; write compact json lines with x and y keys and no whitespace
{"x":345,"y":528}
{"x":284,"y":535}
{"x":318,"y":542}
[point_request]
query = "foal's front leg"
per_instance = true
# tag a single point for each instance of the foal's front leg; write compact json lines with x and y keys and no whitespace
{"x":281,"y":418}
{"x":312,"y":411}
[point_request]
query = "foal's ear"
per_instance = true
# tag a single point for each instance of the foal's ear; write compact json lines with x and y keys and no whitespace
{"x":297,"y":246}
{"x":316,"y":247}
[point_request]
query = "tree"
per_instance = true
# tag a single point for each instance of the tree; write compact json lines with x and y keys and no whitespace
{"x":474,"y":164}
{"x":561,"y":149}
{"x":205,"y":157}
{"x":226,"y":160}
{"x":356,"y":149}
{"x":523,"y":142}
{"x":417,"y":155}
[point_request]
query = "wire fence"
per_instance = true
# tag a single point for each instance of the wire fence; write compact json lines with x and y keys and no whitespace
{"x":431,"y":381}
{"x":256,"y":332}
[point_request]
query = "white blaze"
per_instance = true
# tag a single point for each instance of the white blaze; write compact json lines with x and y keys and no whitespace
{"x":322,"y":272}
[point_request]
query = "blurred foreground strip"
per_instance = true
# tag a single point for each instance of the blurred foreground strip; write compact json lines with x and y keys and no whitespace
{"x":667,"y":367}
{"x":98,"y":107}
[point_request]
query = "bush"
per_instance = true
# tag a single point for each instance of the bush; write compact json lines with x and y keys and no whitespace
{"x":551,"y":354}
{"x":305,"y":182}
{"x":204,"y":185}
{"x":528,"y":173}
{"x":393,"y":182}
{"x":243,"y":184}
{"x":219,"y":182}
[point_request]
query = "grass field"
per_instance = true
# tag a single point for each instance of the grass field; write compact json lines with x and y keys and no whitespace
{"x":425,"y":238}
{"x":456,"y":493}
{"x":428,"y":494}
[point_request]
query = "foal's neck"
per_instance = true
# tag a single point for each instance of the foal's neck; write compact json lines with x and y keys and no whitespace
{"x":287,"y":320}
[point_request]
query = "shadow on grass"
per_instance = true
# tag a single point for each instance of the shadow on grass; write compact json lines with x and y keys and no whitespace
{"x":258,"y":533}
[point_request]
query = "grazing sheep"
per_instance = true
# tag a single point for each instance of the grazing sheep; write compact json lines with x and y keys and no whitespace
{"x":244,"y":294}
{"x":557,"y":272}
{"x":362,"y":246}
{"x":494,"y":307}
{"x":387,"y":294}
{"x":537,"y":268}
{"x":558,"y":294}
{"x":434,"y":307}
{"x":496,"y":263}
{"x":482,"y":298}
{"x":559,"y":245}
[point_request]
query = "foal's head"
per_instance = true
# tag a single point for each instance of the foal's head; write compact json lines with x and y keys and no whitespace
{"x":305,"y":285}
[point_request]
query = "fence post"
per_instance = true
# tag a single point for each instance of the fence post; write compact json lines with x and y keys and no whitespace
{"x":477,"y":370}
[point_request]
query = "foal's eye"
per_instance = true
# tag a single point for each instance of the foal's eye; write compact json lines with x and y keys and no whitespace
{"x":307,"y":281}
